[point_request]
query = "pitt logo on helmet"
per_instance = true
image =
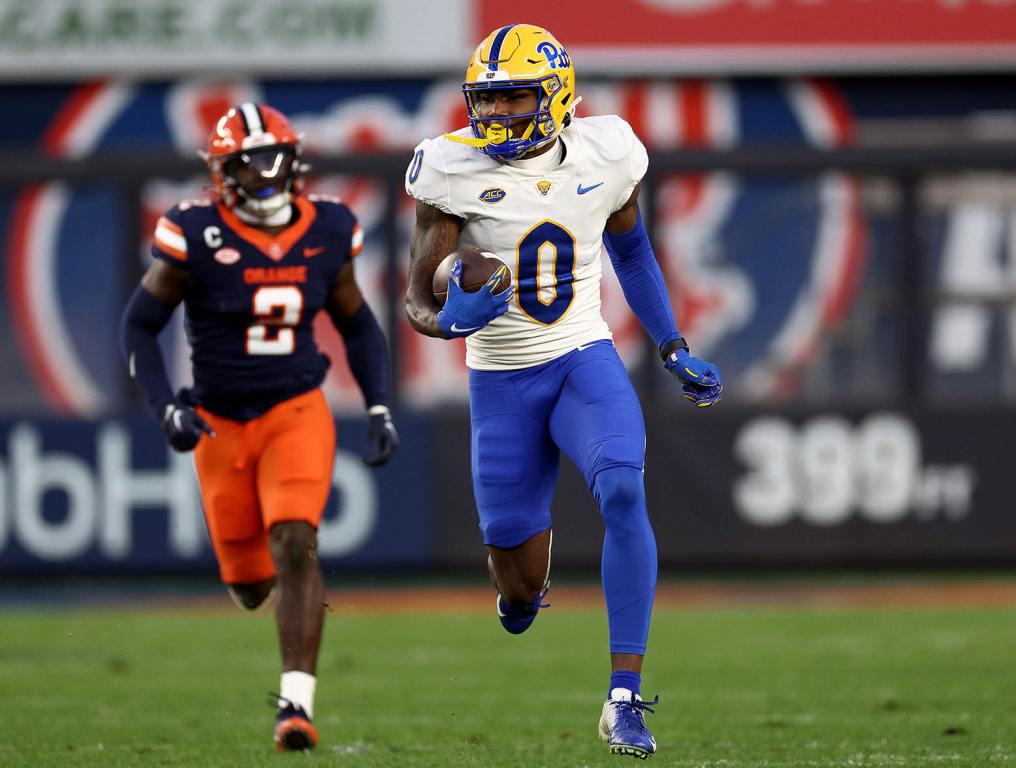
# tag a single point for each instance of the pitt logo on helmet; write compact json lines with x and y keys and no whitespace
{"x":549,"y":50}
{"x":510,"y":58}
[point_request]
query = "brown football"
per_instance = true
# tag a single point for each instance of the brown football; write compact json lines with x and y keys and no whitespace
{"x":477,"y":267}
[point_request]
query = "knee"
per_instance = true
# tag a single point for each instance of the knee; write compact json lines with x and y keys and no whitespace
{"x":252,"y":596}
{"x":621,"y":493}
{"x":293,"y":547}
{"x":519,"y":585}
{"x":525,"y":588}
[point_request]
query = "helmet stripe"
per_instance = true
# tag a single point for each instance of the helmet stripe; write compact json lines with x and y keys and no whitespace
{"x":495,"y":47}
{"x":252,"y":118}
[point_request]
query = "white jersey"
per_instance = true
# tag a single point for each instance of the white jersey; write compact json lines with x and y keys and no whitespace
{"x":546,"y":225}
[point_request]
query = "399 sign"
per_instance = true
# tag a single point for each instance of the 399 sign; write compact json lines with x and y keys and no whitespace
{"x":827,"y":469}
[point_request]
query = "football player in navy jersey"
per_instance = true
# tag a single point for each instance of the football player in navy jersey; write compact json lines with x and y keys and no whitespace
{"x":252,"y":268}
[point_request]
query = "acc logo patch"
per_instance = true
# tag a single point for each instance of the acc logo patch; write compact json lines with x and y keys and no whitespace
{"x":493,"y":195}
{"x":227,"y":256}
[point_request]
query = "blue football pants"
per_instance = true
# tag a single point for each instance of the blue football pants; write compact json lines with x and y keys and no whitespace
{"x":583,"y":404}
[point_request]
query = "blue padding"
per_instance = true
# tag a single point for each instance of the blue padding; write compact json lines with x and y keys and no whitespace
{"x":628,"y":567}
{"x":642,"y":281}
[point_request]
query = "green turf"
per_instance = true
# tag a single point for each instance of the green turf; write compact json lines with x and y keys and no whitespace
{"x":772,"y":687}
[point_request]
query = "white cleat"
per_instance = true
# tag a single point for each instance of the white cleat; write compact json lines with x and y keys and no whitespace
{"x":623,"y":724}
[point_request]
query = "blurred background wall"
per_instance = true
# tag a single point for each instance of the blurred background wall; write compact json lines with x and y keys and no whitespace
{"x":832,"y":198}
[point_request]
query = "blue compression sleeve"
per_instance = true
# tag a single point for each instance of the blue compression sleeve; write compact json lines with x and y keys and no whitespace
{"x":366,"y":353}
{"x":142,"y":321}
{"x":628,"y":567}
{"x":642,"y":281}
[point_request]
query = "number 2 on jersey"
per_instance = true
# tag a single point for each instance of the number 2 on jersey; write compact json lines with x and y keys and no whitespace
{"x":548,"y":239}
{"x":280,"y":306}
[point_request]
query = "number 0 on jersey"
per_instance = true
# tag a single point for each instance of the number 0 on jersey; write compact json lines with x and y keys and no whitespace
{"x":548,"y":239}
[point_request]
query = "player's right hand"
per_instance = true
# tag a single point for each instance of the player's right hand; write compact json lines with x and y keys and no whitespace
{"x":466,"y":313}
{"x":183,"y":427}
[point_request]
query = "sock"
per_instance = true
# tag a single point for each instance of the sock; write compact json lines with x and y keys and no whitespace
{"x":298,"y":688}
{"x":629,"y":681}
{"x":628,"y":567}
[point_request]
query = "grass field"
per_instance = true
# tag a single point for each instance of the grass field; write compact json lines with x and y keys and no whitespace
{"x":778,"y":685}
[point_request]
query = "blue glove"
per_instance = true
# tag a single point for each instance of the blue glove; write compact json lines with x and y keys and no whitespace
{"x":382,"y":439}
{"x":701,"y":381}
{"x":183,"y":427}
{"x":466,"y":313}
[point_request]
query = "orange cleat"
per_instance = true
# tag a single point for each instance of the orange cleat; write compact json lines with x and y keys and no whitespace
{"x":294,"y":731}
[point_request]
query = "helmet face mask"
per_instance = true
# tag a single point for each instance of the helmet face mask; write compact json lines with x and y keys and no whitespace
{"x":262,"y":177}
{"x":255,"y":159}
{"x":526,"y":131}
{"x":519,"y":56}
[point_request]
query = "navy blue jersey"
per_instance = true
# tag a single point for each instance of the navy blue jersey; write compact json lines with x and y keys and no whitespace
{"x":251,"y":298}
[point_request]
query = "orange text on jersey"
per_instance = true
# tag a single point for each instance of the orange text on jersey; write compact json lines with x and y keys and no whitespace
{"x":257,"y":275}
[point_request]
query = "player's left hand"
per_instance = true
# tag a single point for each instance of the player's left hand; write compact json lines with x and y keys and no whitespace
{"x":382,"y":439}
{"x":700,"y":380}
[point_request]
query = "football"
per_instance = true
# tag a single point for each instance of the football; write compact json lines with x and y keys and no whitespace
{"x":477,"y":267}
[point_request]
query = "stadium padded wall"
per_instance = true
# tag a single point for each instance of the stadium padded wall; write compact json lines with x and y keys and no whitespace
{"x":792,"y":283}
{"x":760,"y":488}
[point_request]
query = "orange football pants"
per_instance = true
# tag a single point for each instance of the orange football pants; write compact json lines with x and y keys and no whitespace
{"x":275,"y":468}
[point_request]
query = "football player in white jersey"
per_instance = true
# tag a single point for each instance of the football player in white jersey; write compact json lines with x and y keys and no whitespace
{"x":544,"y":190}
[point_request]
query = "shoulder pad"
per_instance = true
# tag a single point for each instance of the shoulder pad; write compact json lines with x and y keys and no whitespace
{"x":179,"y":226}
{"x":189,"y":211}
{"x":434,"y":163}
{"x":333,"y":210}
{"x":609,"y":136}
{"x":335,"y":215}
{"x":169,"y":240}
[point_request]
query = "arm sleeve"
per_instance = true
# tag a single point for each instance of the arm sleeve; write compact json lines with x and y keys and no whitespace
{"x":642,"y":281}
{"x":366,"y":353}
{"x":142,"y":321}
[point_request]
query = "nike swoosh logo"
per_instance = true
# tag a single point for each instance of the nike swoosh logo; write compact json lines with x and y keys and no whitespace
{"x":582,"y":190}
{"x":311,"y":252}
{"x":456,"y":329}
{"x":580,"y":347}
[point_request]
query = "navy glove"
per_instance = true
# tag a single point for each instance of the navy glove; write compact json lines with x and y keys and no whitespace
{"x":183,"y":427}
{"x":466,"y":313}
{"x":382,"y":439}
{"x":700,"y":380}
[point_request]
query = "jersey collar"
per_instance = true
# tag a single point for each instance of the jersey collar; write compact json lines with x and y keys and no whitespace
{"x":548,"y":161}
{"x":272,"y":247}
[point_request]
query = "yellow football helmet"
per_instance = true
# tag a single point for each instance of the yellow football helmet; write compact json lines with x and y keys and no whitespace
{"x":520,"y":56}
